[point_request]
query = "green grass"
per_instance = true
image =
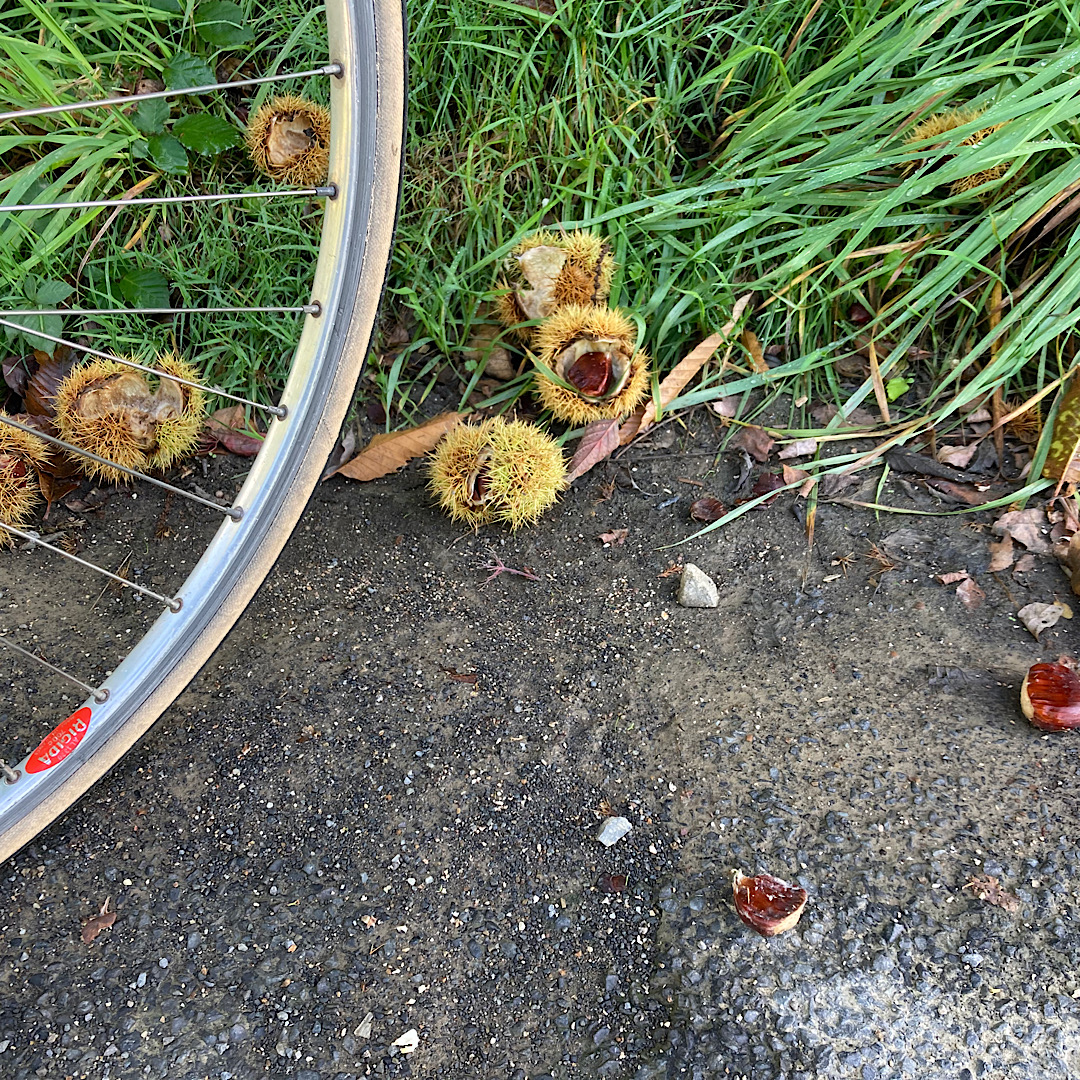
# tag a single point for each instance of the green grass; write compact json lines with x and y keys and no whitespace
{"x":722,"y":148}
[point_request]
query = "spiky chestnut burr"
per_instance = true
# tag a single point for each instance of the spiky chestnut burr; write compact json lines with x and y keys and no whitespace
{"x":113,"y":411}
{"x":21,"y":455}
{"x":1050,"y":697}
{"x":547,"y":271}
{"x":591,"y":348}
{"x":496,"y":471}
{"x":946,"y":121}
{"x":289,"y":140}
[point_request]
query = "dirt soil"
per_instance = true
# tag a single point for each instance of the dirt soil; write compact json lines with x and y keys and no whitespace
{"x":375,"y":812}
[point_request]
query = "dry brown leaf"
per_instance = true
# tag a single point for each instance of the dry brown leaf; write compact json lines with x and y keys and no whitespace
{"x":229,"y":428}
{"x":386,"y":453}
{"x":798,"y":448}
{"x":1024,"y":564}
{"x":616,"y":538}
{"x":971,"y":596}
{"x":1040,"y":617}
{"x":953,"y":576}
{"x":757,"y":354}
{"x":822,"y":414}
{"x":987,"y":888}
{"x":94,"y":924}
{"x":958,"y":456}
{"x":1001,"y":554}
{"x":726,"y":407}
{"x":1027,"y":528}
{"x":673,"y":383}
{"x":792,"y":475}
{"x":598,"y":441}
{"x":462,"y":676}
{"x":755,"y":441}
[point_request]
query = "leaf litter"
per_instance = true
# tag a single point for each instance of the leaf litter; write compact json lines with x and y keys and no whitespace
{"x":92,"y":925}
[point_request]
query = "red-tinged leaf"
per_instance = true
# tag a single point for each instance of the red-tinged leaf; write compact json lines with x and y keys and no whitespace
{"x":616,"y":538}
{"x":755,"y":441}
{"x":465,"y":677}
{"x":707,"y":509}
{"x":767,"y":903}
{"x":612,"y":883}
{"x":798,"y":448}
{"x":229,"y":429}
{"x":599,"y":440}
{"x":94,"y":924}
{"x":765,"y":483}
{"x":858,"y":315}
{"x":388,"y":453}
{"x":971,"y":596}
{"x":681,"y":374}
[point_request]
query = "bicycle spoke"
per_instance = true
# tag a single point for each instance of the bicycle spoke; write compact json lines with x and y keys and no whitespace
{"x":302,"y":309}
{"x":326,"y":191}
{"x":173,"y":603}
{"x":274,"y":410}
{"x":127,"y":99}
{"x":99,"y":694}
{"x":235,"y":512}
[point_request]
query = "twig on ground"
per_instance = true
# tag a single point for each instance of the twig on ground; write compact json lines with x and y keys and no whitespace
{"x":497,"y":567}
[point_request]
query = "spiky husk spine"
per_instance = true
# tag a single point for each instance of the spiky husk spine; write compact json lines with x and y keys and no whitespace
{"x":309,"y":168}
{"x":110,"y":437}
{"x":523,"y":470}
{"x":20,"y":452}
{"x":946,"y":121}
{"x":558,"y":333}
{"x":585,"y":277}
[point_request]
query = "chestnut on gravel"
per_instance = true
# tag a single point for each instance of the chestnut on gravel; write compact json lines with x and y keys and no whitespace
{"x":1050,"y":696}
{"x":768,"y":904}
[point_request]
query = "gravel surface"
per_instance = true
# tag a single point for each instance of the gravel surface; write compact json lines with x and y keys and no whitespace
{"x":376,"y":812}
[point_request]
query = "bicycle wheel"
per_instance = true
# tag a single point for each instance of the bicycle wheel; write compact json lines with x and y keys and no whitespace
{"x":367,"y":102}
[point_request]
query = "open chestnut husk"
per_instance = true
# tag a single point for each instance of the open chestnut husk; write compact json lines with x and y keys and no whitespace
{"x":1050,"y":697}
{"x":767,"y":903}
{"x":592,"y":352}
{"x":22,"y":455}
{"x":289,"y":140}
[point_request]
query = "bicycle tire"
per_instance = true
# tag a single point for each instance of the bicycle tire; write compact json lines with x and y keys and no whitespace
{"x":367,"y":138}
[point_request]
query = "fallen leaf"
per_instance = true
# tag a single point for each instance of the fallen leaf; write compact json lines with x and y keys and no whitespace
{"x":707,"y":509}
{"x":673,"y":569}
{"x":1024,"y":564}
{"x":791,"y":475}
{"x":465,"y":677}
{"x":765,"y":483}
{"x":343,"y":451}
{"x":798,"y":448}
{"x":958,"y":456}
{"x":856,"y":418}
{"x":1001,"y":554}
{"x":386,"y":453}
{"x":15,"y":373}
{"x":1039,"y":617}
{"x":1026,"y":527}
{"x":952,"y":577}
{"x":616,"y":538}
{"x":229,"y":428}
{"x":725,"y":406}
{"x":987,"y":888}
{"x":94,"y":924}
{"x":755,"y":441}
{"x":1068,"y":556}
{"x":598,"y":441}
{"x":681,"y":374}
{"x":612,"y":883}
{"x":965,"y":494}
{"x":369,"y":921}
{"x":753,"y":347}
{"x":971,"y":596}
